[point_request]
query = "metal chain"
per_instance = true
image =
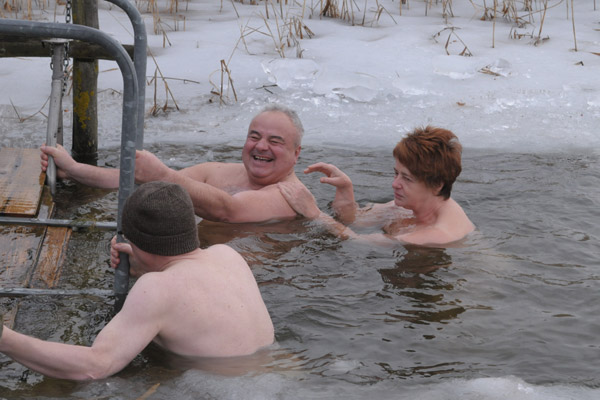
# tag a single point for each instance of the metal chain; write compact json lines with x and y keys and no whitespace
{"x":51,"y":58}
{"x":66,"y":59}
{"x":68,"y":12}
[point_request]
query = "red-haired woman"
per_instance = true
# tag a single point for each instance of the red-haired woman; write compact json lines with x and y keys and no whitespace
{"x":427,"y":162}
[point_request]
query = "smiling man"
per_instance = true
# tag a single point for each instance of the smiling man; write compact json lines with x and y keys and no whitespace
{"x":225,"y":192}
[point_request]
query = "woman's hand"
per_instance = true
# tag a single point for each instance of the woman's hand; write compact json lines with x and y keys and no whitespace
{"x":300,"y":199}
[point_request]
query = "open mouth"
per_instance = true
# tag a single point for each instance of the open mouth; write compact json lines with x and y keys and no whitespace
{"x":262,"y":159}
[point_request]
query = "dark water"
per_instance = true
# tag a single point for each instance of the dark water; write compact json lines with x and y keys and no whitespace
{"x":513,"y":314}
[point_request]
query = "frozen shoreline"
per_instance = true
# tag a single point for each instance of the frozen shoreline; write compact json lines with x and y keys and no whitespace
{"x":355,"y":85}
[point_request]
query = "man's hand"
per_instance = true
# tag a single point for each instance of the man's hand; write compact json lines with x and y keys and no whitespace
{"x":300,"y":199}
{"x":115,"y":249}
{"x":148,"y":168}
{"x":63,"y":160}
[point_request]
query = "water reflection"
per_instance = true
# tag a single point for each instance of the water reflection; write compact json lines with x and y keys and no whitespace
{"x":414,"y":278}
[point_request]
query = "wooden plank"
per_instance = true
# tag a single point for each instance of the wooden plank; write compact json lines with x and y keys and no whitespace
{"x":52,"y":255}
{"x":48,"y":267}
{"x":32,"y":256}
{"x":21,"y":181}
{"x":10,"y":315}
{"x":20,"y":247}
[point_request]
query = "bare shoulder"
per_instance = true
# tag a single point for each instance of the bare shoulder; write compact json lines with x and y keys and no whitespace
{"x":223,"y":251}
{"x":220,"y":248}
{"x":149,"y":291}
{"x":211,"y":170}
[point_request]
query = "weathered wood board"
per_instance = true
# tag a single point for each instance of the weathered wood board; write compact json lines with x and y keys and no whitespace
{"x":30,"y":256}
{"x":21,"y":181}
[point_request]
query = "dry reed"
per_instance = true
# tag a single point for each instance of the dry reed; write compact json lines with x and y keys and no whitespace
{"x":283,"y":22}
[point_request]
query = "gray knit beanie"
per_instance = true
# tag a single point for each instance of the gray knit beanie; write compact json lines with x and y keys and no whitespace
{"x":158,"y":217}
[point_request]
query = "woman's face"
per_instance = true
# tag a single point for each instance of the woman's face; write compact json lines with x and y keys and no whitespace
{"x":409,"y":192}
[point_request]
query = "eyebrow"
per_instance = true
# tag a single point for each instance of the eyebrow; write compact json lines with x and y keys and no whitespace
{"x":270,"y":137}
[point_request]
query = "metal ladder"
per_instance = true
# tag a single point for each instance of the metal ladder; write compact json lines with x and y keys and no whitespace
{"x":132,"y":124}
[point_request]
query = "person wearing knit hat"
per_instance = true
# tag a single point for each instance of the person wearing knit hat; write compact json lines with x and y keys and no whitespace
{"x":192,"y":302}
{"x":234,"y":192}
{"x":159,"y":218}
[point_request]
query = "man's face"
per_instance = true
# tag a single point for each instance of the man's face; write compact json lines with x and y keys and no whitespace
{"x":271,"y":149}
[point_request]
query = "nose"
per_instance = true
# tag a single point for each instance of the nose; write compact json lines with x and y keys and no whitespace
{"x":262,"y":144}
{"x":396,"y":184}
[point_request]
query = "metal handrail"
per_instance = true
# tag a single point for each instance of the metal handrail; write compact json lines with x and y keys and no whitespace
{"x":55,"y":106}
{"x":129,"y":115}
{"x":140,"y":44}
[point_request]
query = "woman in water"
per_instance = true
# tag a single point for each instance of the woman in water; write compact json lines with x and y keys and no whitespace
{"x":427,"y":163}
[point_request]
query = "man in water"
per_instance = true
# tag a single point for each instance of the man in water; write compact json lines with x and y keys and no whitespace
{"x":225,"y":192}
{"x":192,"y":302}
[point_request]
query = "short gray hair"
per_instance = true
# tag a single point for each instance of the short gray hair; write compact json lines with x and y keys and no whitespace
{"x":291,"y":114}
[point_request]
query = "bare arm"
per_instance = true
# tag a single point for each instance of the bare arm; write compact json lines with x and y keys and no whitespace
{"x":117,"y":344}
{"x":248,"y":206}
{"x":68,"y":168}
{"x":303,"y":202}
{"x":344,"y":205}
{"x":213,"y":203}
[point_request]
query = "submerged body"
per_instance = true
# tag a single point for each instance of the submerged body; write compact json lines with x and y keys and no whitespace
{"x":190,"y":301}
{"x":422,"y":212}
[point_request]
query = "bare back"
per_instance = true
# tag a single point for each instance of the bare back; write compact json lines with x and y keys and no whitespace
{"x":211,"y":304}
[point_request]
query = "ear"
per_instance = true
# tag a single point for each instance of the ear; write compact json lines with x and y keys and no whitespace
{"x":297,"y":152}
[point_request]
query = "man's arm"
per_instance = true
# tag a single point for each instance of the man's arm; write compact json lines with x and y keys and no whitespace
{"x":303,"y":202}
{"x":215,"y":204}
{"x":211,"y":202}
{"x":68,"y":168}
{"x":125,"y":336}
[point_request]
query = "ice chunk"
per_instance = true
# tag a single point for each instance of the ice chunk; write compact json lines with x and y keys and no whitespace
{"x":291,"y":73}
{"x":455,"y":67}
{"x":499,"y":67}
{"x":354,"y":85}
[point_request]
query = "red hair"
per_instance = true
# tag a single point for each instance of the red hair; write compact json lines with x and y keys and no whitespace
{"x":433,"y":156}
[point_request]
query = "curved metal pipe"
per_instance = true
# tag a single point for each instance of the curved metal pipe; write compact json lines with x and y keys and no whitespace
{"x":129,"y":117}
{"x":140,"y":45}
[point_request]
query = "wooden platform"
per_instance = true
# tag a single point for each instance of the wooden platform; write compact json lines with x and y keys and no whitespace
{"x":30,"y":256}
{"x":21,"y":182}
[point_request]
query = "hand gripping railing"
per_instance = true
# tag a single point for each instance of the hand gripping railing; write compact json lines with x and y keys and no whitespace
{"x":140,"y":45}
{"x":57,"y":47}
{"x":129,"y":114}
